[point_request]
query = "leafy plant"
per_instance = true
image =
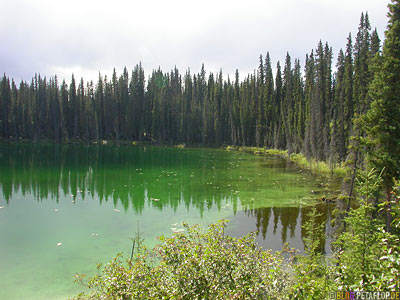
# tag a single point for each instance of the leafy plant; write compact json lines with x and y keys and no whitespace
{"x":312,"y":271}
{"x":368,"y":257}
{"x":195,"y":265}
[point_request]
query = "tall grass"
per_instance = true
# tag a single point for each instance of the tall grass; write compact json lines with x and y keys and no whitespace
{"x":314,"y":166}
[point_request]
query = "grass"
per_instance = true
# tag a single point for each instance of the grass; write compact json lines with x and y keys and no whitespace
{"x":180,"y":146}
{"x":314,"y":166}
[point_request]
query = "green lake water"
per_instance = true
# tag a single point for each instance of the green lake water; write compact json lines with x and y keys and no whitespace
{"x":65,"y":208}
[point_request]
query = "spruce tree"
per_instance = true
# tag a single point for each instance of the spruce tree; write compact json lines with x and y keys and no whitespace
{"x":5,"y":103}
{"x":65,"y":110}
{"x":299,"y":107}
{"x":382,"y":122}
{"x":235,"y":116}
{"x":375,"y":43}
{"x":348,"y":93}
{"x":269,"y":102}
{"x":99,"y":106}
{"x":308,"y":147}
{"x":74,"y":109}
{"x":287,"y":106}
{"x":277,"y":124}
{"x":260,"y":127}
{"x":339,"y":121}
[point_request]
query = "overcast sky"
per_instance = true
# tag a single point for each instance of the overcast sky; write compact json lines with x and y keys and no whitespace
{"x":61,"y":37}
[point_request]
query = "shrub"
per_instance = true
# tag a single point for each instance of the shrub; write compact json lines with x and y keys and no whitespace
{"x":313,"y":275}
{"x":195,"y":265}
{"x":368,"y":257}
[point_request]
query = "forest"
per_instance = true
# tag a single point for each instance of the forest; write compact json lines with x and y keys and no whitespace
{"x":310,"y":109}
{"x":342,"y":111}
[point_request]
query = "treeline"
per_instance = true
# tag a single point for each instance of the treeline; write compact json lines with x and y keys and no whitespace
{"x":309,"y":110}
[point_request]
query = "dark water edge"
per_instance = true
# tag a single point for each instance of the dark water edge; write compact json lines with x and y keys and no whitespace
{"x":277,"y":226}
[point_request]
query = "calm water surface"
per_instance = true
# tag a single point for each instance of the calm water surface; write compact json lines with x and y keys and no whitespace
{"x":65,"y":208}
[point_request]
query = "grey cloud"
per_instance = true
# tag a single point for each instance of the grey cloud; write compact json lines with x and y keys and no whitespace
{"x":226,"y":38}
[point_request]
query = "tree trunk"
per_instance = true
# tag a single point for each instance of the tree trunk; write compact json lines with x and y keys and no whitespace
{"x":353,"y":177}
{"x":388,"y":208}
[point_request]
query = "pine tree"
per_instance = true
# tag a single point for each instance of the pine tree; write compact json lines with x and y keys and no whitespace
{"x":361,"y":70}
{"x":5,"y":103}
{"x":54,"y":110}
{"x":115,"y":104}
{"x":123,"y":103}
{"x":260,"y":105}
{"x":269,"y":102}
{"x":299,"y":107}
{"x":375,"y":43}
{"x":322,"y":100}
{"x":348,"y":93}
{"x":287,"y":106}
{"x":277,"y":126}
{"x":65,"y":111}
{"x":74,"y":109}
{"x":235,"y":115}
{"x":217,"y":99}
{"x":338,"y":140}
{"x":99,"y":107}
{"x":382,"y":122}
{"x":41,"y":109}
{"x":14,"y":117}
{"x":227,"y":99}
{"x":81,"y":132}
{"x":312,"y":90}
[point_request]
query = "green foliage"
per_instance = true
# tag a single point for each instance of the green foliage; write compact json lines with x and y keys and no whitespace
{"x":312,"y":272}
{"x":367,"y":257}
{"x":396,"y":207}
{"x":319,"y":167}
{"x":381,"y":123}
{"x":195,"y":265}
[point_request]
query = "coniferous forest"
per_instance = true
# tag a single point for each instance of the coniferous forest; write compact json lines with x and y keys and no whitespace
{"x":308,"y":108}
{"x":343,"y":109}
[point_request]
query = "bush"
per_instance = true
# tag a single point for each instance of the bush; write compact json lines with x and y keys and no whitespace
{"x":368,"y":257}
{"x":313,"y":280}
{"x":195,"y":265}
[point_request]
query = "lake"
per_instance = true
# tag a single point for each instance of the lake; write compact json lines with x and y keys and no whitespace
{"x":65,"y":208}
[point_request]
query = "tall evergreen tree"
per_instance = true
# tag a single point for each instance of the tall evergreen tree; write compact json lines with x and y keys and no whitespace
{"x":382,"y":122}
{"x":260,"y":125}
{"x":277,"y":125}
{"x":338,"y":140}
{"x":299,"y":108}
{"x":269,"y":102}
{"x":287,"y":107}
{"x":361,"y":59}
{"x":235,"y":114}
{"x":348,"y":93}
{"x":5,"y":104}
{"x":74,"y":109}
